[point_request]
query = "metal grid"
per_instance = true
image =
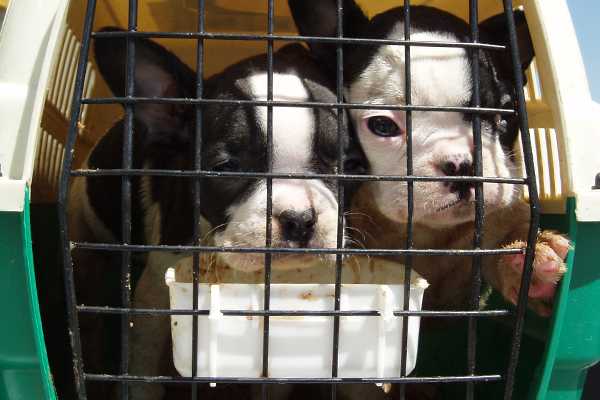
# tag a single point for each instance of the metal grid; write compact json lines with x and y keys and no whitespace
{"x":126,"y":173}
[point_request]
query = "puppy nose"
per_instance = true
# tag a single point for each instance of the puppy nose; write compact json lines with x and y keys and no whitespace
{"x":455,"y":168}
{"x":298,"y":226}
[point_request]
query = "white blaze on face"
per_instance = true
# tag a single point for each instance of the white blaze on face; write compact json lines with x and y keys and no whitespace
{"x":293,"y":127}
{"x":293,"y":131}
{"x":440,"y":76}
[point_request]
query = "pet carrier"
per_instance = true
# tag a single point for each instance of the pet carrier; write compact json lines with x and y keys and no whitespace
{"x":42,"y":77}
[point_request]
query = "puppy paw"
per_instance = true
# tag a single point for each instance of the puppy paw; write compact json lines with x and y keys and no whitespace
{"x":548,"y":268}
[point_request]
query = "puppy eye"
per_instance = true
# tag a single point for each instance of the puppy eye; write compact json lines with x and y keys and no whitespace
{"x":227,"y":166}
{"x":383,"y":126}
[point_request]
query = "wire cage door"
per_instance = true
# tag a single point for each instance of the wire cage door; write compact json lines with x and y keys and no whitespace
{"x":126,"y":173}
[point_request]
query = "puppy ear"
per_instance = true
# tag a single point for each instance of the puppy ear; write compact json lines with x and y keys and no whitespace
{"x":319,"y":18}
{"x":158,"y":73}
{"x":497,"y":30}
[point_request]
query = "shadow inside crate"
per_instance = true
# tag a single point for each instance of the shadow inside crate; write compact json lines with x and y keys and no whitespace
{"x":435,"y":356}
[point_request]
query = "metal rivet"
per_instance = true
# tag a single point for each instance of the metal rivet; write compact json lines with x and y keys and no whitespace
{"x":597,"y":185}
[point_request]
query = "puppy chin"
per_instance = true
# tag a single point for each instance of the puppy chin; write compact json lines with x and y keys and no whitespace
{"x":251,"y":262}
{"x":242,"y":262}
{"x":437,"y":210}
{"x":456,"y":214}
{"x":279,"y":262}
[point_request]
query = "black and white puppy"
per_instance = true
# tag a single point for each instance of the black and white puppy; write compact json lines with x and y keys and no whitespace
{"x":442,"y":144}
{"x":234,"y":139}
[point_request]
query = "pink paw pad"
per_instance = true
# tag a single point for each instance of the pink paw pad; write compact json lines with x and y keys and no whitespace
{"x":549,"y":271}
{"x":516,"y":261}
{"x":542,"y":290}
{"x":548,"y":267}
{"x":558,"y":243}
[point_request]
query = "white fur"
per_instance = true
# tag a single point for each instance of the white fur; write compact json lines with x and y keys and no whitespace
{"x":293,"y":130}
{"x":247,"y":225}
{"x":441,"y":77}
{"x":80,"y":207}
{"x":293,"y":127}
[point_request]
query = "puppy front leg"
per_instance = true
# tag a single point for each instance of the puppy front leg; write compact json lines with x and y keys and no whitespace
{"x":149,"y":334}
{"x":548,"y":268}
{"x":548,"y":265}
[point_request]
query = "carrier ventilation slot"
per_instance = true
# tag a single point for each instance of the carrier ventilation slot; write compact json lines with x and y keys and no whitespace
{"x":55,"y":119}
{"x":545,"y":145}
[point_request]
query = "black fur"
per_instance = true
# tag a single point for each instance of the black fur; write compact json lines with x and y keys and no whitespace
{"x":164,"y":138}
{"x":164,"y":135}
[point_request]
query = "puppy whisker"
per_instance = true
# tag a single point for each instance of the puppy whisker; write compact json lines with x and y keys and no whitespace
{"x":358,"y":231}
{"x":212,"y":230}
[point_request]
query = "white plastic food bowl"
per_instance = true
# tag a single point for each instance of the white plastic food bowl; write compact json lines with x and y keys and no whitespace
{"x":299,"y":346}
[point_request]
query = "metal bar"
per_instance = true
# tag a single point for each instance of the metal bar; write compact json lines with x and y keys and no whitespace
{"x":339,"y":91}
{"x":127,"y":161}
{"x":410,"y":196}
{"x":295,"y":38}
{"x":479,"y":199}
{"x":252,"y":175}
{"x":293,"y":313}
{"x":533,"y":201}
{"x":286,"y":250}
{"x":181,"y":380}
{"x":127,"y":172}
{"x":196,"y":191}
{"x":269,"y":211}
{"x":63,"y":200}
{"x":307,"y":104}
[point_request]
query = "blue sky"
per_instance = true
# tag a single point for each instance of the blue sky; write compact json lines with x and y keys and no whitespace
{"x":585,"y":14}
